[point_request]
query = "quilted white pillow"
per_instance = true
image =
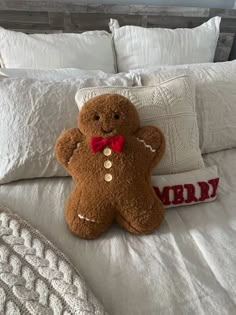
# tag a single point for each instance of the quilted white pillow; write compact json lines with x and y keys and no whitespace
{"x":138,"y":47}
{"x":215,"y":85}
{"x":89,"y":50}
{"x":33,"y":115}
{"x":170,"y":106}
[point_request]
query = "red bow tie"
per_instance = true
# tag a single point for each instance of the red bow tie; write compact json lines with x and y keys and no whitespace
{"x":115,"y":143}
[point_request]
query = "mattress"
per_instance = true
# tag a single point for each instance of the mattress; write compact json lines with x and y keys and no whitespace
{"x":188,"y":266}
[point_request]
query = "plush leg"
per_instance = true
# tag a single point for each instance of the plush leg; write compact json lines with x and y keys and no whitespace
{"x":86,"y":215}
{"x":140,"y":213}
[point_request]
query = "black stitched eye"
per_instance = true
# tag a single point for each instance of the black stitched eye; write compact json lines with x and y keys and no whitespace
{"x":96,"y":117}
{"x":117,"y":116}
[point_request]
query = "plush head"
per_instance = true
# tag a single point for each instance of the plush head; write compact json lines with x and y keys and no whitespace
{"x":110,"y":159}
{"x":108,"y":115}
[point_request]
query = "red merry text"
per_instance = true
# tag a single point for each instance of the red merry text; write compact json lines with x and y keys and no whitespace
{"x":187,"y":193}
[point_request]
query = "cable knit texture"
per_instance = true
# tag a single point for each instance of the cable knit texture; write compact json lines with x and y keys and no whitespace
{"x":36,"y":278}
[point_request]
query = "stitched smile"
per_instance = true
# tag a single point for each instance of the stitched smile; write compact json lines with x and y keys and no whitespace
{"x":107,"y":131}
{"x":86,"y":219}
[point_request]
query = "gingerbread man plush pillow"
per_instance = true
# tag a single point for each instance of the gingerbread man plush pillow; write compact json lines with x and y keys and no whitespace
{"x":110,"y":159}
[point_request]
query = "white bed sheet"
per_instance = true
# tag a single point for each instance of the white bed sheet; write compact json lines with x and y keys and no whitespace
{"x":187,"y":267}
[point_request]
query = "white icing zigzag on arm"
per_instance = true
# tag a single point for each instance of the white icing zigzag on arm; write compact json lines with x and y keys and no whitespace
{"x":77,"y":146}
{"x":146,"y":145}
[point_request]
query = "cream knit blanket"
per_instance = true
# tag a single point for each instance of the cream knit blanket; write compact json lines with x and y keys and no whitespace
{"x":35,"y":277}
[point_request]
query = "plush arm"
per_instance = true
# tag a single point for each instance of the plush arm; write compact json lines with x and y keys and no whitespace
{"x":66,"y":145}
{"x":153,"y":140}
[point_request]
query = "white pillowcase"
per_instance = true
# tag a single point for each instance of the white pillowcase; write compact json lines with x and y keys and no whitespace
{"x":215,"y":85}
{"x":138,"y":47}
{"x":170,"y":106}
{"x":33,"y":115}
{"x":124,"y":79}
{"x":187,"y":188}
{"x":89,"y":50}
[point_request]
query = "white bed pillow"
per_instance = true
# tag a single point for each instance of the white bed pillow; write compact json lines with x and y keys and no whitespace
{"x":138,"y":47}
{"x":33,"y":115}
{"x":89,"y":50}
{"x":170,"y":106}
{"x":187,"y":188}
{"x":215,"y":85}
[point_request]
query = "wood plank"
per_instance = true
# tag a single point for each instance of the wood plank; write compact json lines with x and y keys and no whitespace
{"x":56,"y":20}
{"x":225,"y":13}
{"x":147,"y":10}
{"x":232,"y":54}
{"x":82,"y":7}
{"x":228,"y":25}
{"x":224,"y":45}
{"x":175,"y":21}
{"x":39,"y":31}
{"x":23,"y":17}
{"x":49,"y":6}
{"x":100,"y":21}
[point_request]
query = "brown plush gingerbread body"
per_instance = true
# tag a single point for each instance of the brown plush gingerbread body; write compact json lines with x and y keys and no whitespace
{"x":110,"y":159}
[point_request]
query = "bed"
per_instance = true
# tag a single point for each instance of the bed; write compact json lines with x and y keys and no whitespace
{"x":188,"y":265}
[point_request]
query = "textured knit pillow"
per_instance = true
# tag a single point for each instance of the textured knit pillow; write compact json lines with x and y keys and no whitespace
{"x":215,"y":99}
{"x":170,"y":106}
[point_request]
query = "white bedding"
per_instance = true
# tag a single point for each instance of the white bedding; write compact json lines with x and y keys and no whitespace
{"x":187,"y":267}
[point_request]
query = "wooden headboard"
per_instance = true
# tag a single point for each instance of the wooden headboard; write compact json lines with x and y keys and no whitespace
{"x":59,"y":16}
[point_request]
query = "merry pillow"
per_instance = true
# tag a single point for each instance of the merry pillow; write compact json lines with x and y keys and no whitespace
{"x":187,"y":188}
